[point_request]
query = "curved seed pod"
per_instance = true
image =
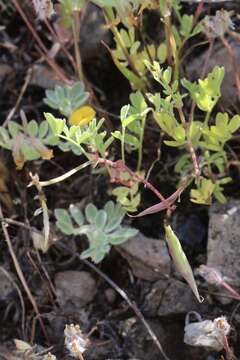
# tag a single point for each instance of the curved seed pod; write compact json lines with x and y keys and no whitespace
{"x":180,"y":260}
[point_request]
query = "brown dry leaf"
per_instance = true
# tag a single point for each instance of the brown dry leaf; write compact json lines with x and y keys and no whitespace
{"x":18,"y":156}
{"x":22,"y":345}
{"x":41,"y":242}
{"x":43,"y":150}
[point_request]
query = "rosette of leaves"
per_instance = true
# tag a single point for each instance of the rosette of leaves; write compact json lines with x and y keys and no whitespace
{"x":27,"y":142}
{"x":67,"y":98}
{"x":102,"y":227}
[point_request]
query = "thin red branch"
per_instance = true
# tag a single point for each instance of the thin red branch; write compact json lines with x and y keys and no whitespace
{"x":119,"y":167}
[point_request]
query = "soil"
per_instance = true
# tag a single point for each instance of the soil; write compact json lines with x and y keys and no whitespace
{"x":116,"y":331}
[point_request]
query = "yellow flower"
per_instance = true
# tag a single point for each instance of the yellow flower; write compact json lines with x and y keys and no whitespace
{"x":82,"y":116}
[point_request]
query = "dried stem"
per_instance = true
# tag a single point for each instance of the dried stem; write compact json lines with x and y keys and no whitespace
{"x":75,"y":31}
{"x":57,"y":38}
{"x":64,"y":176}
{"x":233,"y":292}
{"x":123,"y":294}
{"x":50,"y":61}
{"x":20,"y":96}
{"x":21,"y":276}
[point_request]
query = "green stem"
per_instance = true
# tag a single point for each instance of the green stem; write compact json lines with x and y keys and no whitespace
{"x":140,"y":155}
{"x":206,"y":120}
{"x":76,"y":144}
{"x":122,"y":145}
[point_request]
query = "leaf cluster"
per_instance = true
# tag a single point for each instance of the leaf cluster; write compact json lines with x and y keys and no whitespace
{"x":75,"y":138}
{"x":27,"y":142}
{"x":102,"y":227}
{"x":67,"y":98}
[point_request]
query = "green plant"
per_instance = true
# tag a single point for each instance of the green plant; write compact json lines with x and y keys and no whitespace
{"x":67,"y":98}
{"x":27,"y":142}
{"x":195,"y":135}
{"x":133,"y":119}
{"x":128,"y":196}
{"x":154,"y":72}
{"x":132,"y":49}
{"x":103,"y":227}
{"x":79,"y":139}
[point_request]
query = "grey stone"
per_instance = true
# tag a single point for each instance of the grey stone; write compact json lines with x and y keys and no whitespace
{"x":148,"y":258}
{"x":223,"y":252}
{"x":177,"y":298}
{"x":77,"y":287}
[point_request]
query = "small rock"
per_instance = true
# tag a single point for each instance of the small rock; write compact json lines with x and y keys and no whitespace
{"x":77,"y":287}
{"x":44,"y":77}
{"x":177,"y":298}
{"x":110,"y":295}
{"x":152,"y":295}
{"x":223,"y":252}
{"x":148,"y":258}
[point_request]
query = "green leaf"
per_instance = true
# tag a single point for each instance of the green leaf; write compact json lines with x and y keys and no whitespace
{"x":162,"y":53}
{"x":56,"y":125}
{"x":203,"y":194}
{"x":32,"y":128}
{"x":91,"y":213}
{"x":43,"y":129}
{"x":67,"y":98}
{"x":64,"y":222}
{"x":4,"y":138}
{"x":219,"y":194}
{"x":174,"y":143}
{"x":179,"y":134}
{"x":207,"y":92}
{"x":167,"y":75}
{"x":126,"y":122}
{"x":183,"y":163}
{"x":76,"y":214}
{"x":101,"y":219}
{"x":102,"y":230}
{"x":122,"y":235}
{"x":180,"y":260}
{"x":29,"y":152}
{"x":166,"y":122}
{"x":186,"y":25}
{"x":14,"y":128}
{"x":124,"y":112}
{"x":132,"y":141}
{"x":234,"y":124}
